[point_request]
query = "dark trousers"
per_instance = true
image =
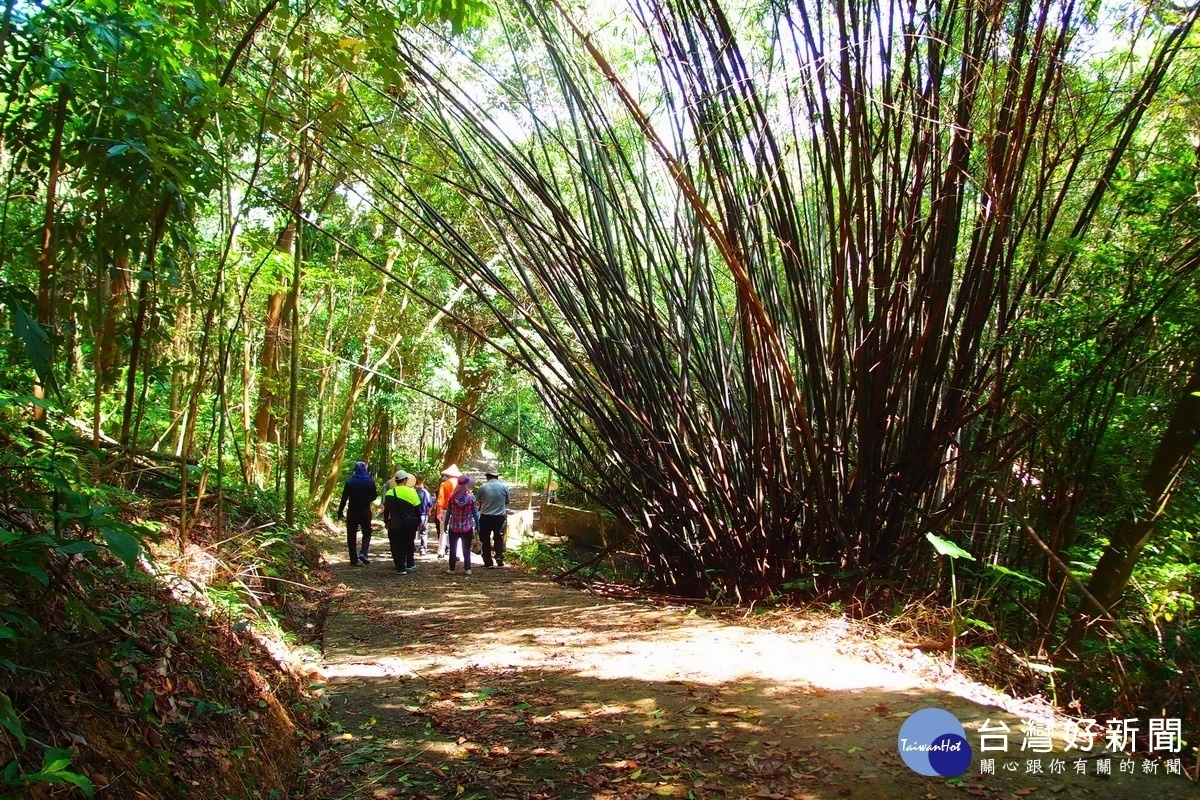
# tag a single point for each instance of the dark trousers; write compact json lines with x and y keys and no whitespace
{"x":353,"y":524}
{"x":455,"y":538}
{"x":491,"y":528}
{"x":401,"y":540}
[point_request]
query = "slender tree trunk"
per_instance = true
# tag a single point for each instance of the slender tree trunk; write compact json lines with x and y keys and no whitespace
{"x":139,"y":329}
{"x":360,"y":377}
{"x":99,"y":315}
{"x":141,"y":401}
{"x":193,"y":405}
{"x":321,"y":386}
{"x":1135,"y":529}
{"x":293,"y":428}
{"x":113,"y":309}
{"x":179,"y":352}
{"x":45,"y":313}
{"x":248,"y":442}
{"x":221,"y":410}
{"x":358,"y":381}
{"x":265,"y":422}
{"x":374,"y":436}
{"x":270,"y":396}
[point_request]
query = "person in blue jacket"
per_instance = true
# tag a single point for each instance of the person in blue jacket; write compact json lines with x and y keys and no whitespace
{"x":359,"y":493}
{"x":427,"y":502}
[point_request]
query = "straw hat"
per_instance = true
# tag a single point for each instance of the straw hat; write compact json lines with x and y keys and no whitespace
{"x":452,"y":471}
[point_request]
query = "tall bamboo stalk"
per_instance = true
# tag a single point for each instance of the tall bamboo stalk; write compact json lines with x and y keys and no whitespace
{"x":771,"y":299}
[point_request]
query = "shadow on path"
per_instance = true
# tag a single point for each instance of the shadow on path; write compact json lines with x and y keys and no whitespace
{"x":505,"y":685}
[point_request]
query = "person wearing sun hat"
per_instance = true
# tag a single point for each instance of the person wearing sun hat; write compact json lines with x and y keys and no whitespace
{"x":450,"y":477}
{"x":461,"y":520}
{"x":493,"y":498}
{"x":401,"y":515}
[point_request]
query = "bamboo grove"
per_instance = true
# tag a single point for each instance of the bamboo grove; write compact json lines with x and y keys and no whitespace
{"x":787,"y":287}
{"x":781,"y":314}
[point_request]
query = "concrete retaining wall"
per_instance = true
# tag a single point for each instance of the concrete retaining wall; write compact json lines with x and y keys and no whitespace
{"x":587,"y":527}
{"x":520,"y":528}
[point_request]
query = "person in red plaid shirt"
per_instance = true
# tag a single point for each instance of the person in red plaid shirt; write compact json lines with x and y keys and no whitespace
{"x":461,"y":520}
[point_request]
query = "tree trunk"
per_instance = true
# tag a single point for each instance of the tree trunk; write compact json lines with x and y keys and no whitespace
{"x":324,"y":382}
{"x":114,"y":308}
{"x":248,"y":442}
{"x":1135,"y":529}
{"x":293,"y":428}
{"x":360,"y":377}
{"x":268,"y":375}
{"x":139,"y":328}
{"x":193,"y":408}
{"x":270,"y":396}
{"x":375,"y":436}
{"x":99,"y":315}
{"x":45,"y":312}
{"x":358,"y":381}
{"x":465,"y":443}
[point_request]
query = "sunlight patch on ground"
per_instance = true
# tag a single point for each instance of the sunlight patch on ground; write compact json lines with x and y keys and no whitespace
{"x":655,"y":645}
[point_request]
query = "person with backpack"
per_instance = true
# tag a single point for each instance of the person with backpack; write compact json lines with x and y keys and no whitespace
{"x":359,"y":493}
{"x":426,"y":504}
{"x":401,"y":514}
{"x":460,"y":521}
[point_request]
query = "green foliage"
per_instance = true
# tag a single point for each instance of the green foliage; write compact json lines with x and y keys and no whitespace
{"x":19,"y":302}
{"x":176,"y":191}
{"x":10,"y":720}
{"x":947,"y":548}
{"x":541,"y":557}
{"x":53,"y":772}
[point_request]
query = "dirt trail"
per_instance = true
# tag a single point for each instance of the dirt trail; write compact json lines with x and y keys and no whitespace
{"x":506,"y":685}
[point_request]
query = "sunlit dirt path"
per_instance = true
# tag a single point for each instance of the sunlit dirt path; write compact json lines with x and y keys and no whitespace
{"x":506,"y":685}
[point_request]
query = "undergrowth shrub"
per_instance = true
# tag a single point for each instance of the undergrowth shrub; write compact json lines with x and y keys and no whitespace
{"x":107,"y":680}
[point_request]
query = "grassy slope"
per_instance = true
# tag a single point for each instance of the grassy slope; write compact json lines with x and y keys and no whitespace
{"x":120,"y":686}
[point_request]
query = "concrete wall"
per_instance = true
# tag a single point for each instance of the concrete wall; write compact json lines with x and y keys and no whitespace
{"x":587,"y":527}
{"x":520,"y":528}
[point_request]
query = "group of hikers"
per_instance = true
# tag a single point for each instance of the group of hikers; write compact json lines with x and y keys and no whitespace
{"x":457,"y":512}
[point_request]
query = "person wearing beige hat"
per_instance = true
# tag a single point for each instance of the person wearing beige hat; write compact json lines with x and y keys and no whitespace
{"x":449,"y":481}
{"x":402,"y":514}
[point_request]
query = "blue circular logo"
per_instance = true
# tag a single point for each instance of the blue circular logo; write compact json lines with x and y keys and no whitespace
{"x":932,"y":742}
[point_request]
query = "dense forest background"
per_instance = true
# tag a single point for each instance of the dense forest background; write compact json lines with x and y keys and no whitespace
{"x":867,"y":302}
